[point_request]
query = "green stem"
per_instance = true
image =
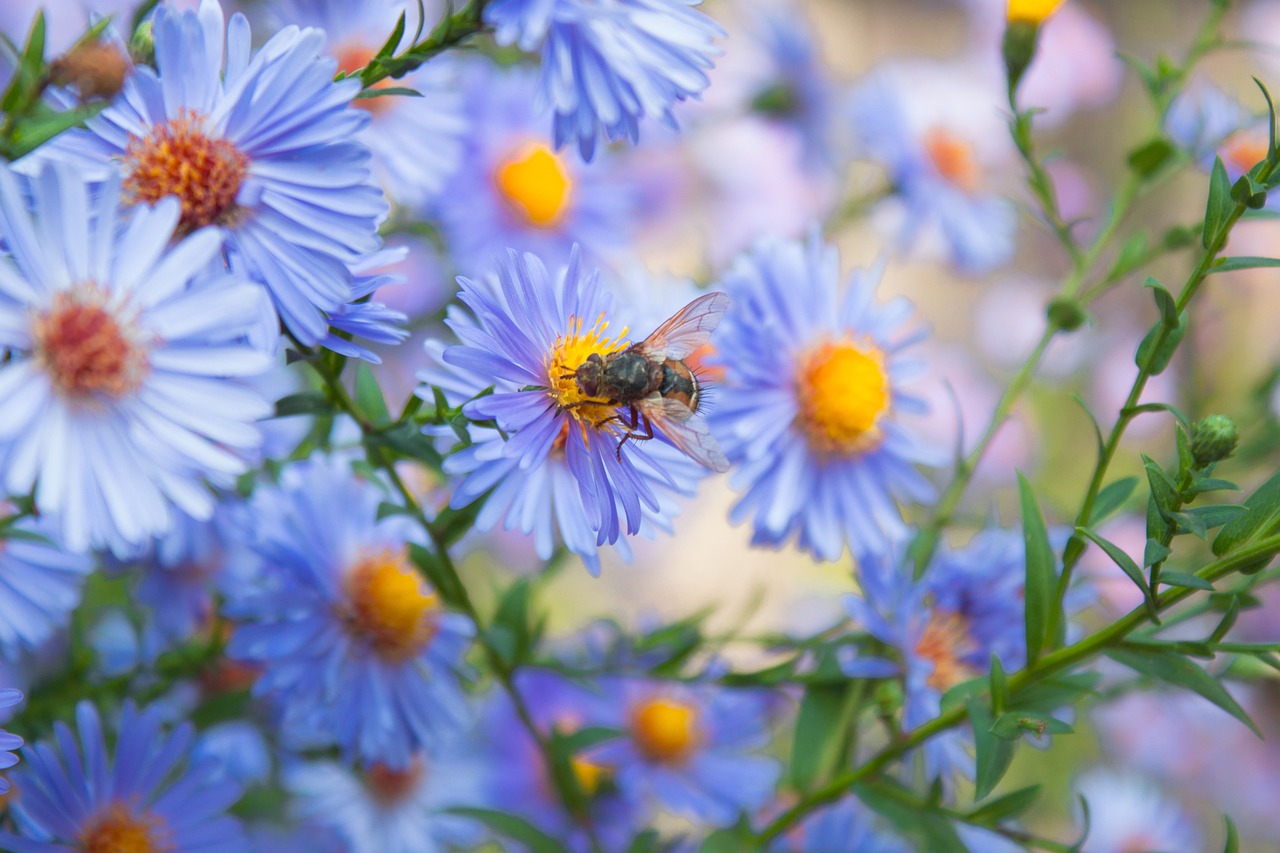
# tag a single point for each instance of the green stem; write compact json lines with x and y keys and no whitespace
{"x":451,"y":31}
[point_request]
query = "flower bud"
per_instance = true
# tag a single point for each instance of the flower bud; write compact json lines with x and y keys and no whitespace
{"x":95,"y":69}
{"x":1214,"y":439}
{"x":1022,"y":35}
{"x":1032,"y":11}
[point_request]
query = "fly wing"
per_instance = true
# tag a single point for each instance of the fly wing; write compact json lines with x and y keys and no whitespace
{"x":686,"y":432}
{"x":687,"y":329}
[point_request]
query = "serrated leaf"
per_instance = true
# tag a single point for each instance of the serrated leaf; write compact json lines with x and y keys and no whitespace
{"x":993,"y":753}
{"x":1261,"y":515}
{"x":1185,"y":580}
{"x":1041,"y":576}
{"x":1111,"y":498}
{"x":1124,"y":561}
{"x":1005,"y":807}
{"x":1173,"y":668}
{"x":1219,"y":206}
{"x":513,"y":827}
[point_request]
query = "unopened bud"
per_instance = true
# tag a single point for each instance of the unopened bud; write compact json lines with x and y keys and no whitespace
{"x":1213,"y":439}
{"x":1032,"y":11}
{"x":96,"y":70}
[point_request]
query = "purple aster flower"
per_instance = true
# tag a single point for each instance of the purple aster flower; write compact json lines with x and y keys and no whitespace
{"x":561,"y":467}
{"x":40,"y":585}
{"x":354,"y":647}
{"x":382,"y":810}
{"x":125,"y":354}
{"x":416,"y":141}
{"x":1208,"y":122}
{"x":261,"y":143}
{"x":690,"y":749}
{"x":943,"y":629}
{"x":937,"y":131}
{"x":607,"y":64}
{"x":811,"y":401}
{"x":361,"y":318}
{"x":846,"y":827}
{"x":139,"y":797}
{"x":1127,"y":812}
{"x":8,"y":743}
{"x":519,"y":193}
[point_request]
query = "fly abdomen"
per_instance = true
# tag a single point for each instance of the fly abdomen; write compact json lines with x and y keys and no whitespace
{"x":679,"y":383}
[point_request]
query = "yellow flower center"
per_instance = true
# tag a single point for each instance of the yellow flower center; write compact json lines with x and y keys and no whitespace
{"x":119,"y":831}
{"x":946,"y":642}
{"x":536,"y":185}
{"x":85,"y":349}
{"x":1032,"y":11}
{"x":178,"y":158}
{"x":665,"y":729}
{"x":570,"y":352}
{"x":842,"y":391}
{"x":953,"y":159}
{"x":390,"y":605}
{"x":589,"y":774}
{"x":1244,"y":150}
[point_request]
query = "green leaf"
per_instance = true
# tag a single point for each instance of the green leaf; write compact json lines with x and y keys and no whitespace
{"x":1200,"y":485}
{"x":823,"y":727}
{"x":999,"y":686}
{"x":929,"y":829}
{"x":369,"y":400}
{"x":646,"y":842}
{"x":1005,"y":807}
{"x":1233,"y":838}
{"x":1130,"y":255}
{"x":1158,"y":346}
{"x":1155,"y":552}
{"x":1165,"y":302}
{"x":1111,"y":498}
{"x":994,"y":753}
{"x":1228,"y":620}
{"x":513,"y":827}
{"x":1218,"y":209}
{"x":1163,"y":491}
{"x":1012,"y":726}
{"x":1261,"y":516}
{"x":1125,"y":562}
{"x":1185,"y":580}
{"x":1242,"y":262}
{"x":511,"y":627}
{"x":1271,"y":121}
{"x":1053,"y":693}
{"x":437,"y":574}
{"x":1173,"y":668}
{"x":1147,"y":159}
{"x":733,"y":839}
{"x":1215,"y":515}
{"x":305,"y":403}
{"x":1041,"y":577}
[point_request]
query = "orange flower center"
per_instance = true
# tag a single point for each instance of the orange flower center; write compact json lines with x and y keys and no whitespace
{"x":842,"y":391}
{"x":119,"y":831}
{"x":946,"y":642}
{"x":393,"y":786}
{"x":178,"y":158}
{"x":1244,"y":150}
{"x":536,"y":185}
{"x":85,"y":348}
{"x":665,"y":730}
{"x":352,"y":58}
{"x":390,"y":605}
{"x":953,"y":159}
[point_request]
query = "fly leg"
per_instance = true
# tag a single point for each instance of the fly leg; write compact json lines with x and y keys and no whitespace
{"x":636,"y":419}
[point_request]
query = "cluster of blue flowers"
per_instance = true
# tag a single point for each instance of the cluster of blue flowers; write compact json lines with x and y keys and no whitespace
{"x":280,"y":590}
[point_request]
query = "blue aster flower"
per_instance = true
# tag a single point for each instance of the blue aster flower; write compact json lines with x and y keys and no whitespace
{"x":126,"y":351}
{"x":943,"y":629}
{"x":846,"y":827}
{"x":809,"y":409}
{"x":937,"y":133}
{"x":40,"y":584}
{"x":416,"y":140}
{"x":1208,"y":123}
{"x":520,"y":194}
{"x":607,"y":64}
{"x":354,"y":647}
{"x":690,"y":749}
{"x":559,"y":468}
{"x":8,"y":743}
{"x":137,"y":797}
{"x":1128,"y":812}
{"x":362,"y":318}
{"x":261,"y":143}
{"x":381,"y":810}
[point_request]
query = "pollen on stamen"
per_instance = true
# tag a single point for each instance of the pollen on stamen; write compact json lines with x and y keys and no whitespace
{"x":120,"y":831}
{"x":87,"y":349}
{"x":571,"y":351}
{"x":389,"y":605}
{"x":179,"y":158}
{"x":946,"y":642}
{"x":843,"y":391}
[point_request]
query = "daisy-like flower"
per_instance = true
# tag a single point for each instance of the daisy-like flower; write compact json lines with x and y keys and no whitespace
{"x":936,"y":129}
{"x":943,"y":629}
{"x":261,"y":143}
{"x":139,"y":797}
{"x":40,"y":585}
{"x":355,"y":649}
{"x":1208,"y":122}
{"x":381,"y":810}
{"x":690,"y":749}
{"x":8,"y":743}
{"x":814,"y":383}
{"x":521,"y":194}
{"x":125,"y":350}
{"x":1128,"y":812}
{"x":416,"y":141}
{"x":846,"y":827}
{"x":607,"y":64}
{"x":562,"y":466}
